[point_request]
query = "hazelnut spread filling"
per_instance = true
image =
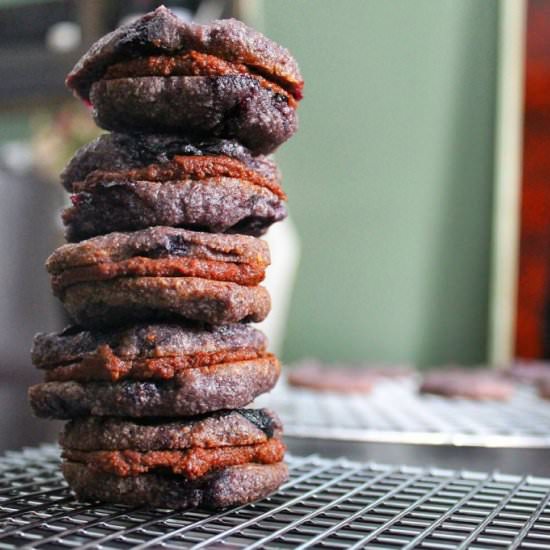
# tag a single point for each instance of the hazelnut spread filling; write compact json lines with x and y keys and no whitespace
{"x":192,"y":463}
{"x":194,"y":63}
{"x":182,"y":167}
{"x":172,"y":266}
{"x":104,"y":365}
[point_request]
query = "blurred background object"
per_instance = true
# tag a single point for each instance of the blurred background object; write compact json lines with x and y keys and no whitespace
{"x":390,"y":179}
{"x":29,"y":230}
{"x":29,"y":215}
{"x":532,"y":338}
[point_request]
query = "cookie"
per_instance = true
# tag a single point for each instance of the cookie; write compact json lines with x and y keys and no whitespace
{"x":134,"y":299}
{"x":345,"y":377}
{"x":142,"y":352}
{"x":124,"y":183}
{"x":160,"y":73}
{"x":161,"y":273}
{"x":161,"y":31}
{"x":314,"y":376}
{"x":237,"y":107}
{"x":477,"y":384}
{"x":528,"y":372}
{"x":220,"y":489}
{"x":391,"y":371}
{"x":159,"y":252}
{"x":226,"y":205}
{"x":220,"y":429}
{"x":190,"y":392}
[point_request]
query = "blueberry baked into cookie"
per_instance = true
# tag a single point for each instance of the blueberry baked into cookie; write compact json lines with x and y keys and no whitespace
{"x":476,"y":384}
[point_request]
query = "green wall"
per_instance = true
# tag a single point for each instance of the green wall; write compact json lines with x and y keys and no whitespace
{"x":390,"y":176}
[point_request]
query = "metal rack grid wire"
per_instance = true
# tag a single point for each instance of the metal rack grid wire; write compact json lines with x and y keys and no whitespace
{"x":325,"y":504}
{"x":394,"y":412}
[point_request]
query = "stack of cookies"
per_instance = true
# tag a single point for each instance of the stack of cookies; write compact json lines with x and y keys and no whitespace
{"x":162,"y":273}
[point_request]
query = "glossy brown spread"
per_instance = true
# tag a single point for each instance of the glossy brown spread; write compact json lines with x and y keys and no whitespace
{"x":192,"y":463}
{"x":184,"y":167}
{"x":194,"y":63}
{"x":173,"y":266}
{"x":104,"y":365}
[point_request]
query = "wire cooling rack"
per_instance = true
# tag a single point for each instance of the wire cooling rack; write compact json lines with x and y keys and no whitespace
{"x":394,"y":412}
{"x":325,"y":504}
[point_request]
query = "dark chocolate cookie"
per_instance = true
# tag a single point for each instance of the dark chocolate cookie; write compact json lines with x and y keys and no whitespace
{"x":343,"y":377}
{"x":143,"y":352}
{"x":162,"y":31}
{"x":135,"y":299}
{"x":220,"y":429}
{"x":220,"y":489}
{"x":162,"y":73}
{"x":191,"y":392}
{"x":236,"y":107}
{"x":125,"y":154}
{"x":217,"y":205}
{"x":160,"y":252}
{"x":478,"y":384}
{"x":528,"y":372}
{"x":125,"y":182}
{"x":334,"y":379}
